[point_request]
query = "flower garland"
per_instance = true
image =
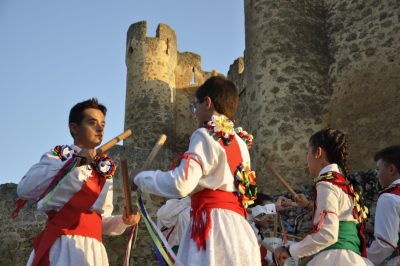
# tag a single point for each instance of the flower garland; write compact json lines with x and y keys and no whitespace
{"x":63,"y":152}
{"x":105,"y":166}
{"x":245,"y":184}
{"x":220,"y":127}
{"x":248,"y":138}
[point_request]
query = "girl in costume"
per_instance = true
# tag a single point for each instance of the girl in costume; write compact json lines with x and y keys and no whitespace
{"x":338,"y":212}
{"x":74,"y":188}
{"x":216,"y":173}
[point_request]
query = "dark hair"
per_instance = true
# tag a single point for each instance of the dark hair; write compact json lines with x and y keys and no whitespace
{"x":223,"y":94}
{"x":390,"y":155}
{"x":335,"y":145}
{"x":261,"y":198}
{"x":76,"y":112}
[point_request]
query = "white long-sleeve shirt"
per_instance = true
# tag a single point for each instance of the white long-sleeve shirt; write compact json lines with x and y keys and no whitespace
{"x":231,"y":240}
{"x":339,"y":207}
{"x":67,"y":249}
{"x":387,"y":226}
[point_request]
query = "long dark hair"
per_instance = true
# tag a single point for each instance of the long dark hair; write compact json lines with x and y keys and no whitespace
{"x":334,"y":143}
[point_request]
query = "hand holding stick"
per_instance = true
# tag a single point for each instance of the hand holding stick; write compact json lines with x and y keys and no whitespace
{"x":280,"y":179}
{"x":127,"y":188}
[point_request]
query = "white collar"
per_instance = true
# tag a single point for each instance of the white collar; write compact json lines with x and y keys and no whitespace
{"x":330,"y":168}
{"x":397,"y":181}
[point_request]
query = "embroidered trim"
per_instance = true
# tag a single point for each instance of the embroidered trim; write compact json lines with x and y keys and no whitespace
{"x":63,"y":152}
{"x":105,"y":166}
{"x":245,"y":184}
{"x":248,"y":138}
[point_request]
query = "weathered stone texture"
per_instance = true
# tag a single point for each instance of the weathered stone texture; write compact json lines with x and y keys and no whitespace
{"x":364,"y":74}
{"x":285,"y":90}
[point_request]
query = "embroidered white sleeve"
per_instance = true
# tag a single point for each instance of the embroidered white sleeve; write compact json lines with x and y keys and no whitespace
{"x":387,"y":220}
{"x":182,"y":180}
{"x":327,"y":201}
{"x":39,"y":176}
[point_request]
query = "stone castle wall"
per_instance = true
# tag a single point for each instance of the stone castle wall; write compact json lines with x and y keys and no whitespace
{"x":307,"y":65}
{"x":364,"y":43}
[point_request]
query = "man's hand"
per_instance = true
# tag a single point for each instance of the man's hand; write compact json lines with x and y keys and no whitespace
{"x":86,"y":156}
{"x":131,"y":219}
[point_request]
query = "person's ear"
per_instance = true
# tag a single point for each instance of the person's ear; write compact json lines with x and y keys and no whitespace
{"x":318,"y":152}
{"x":392,"y":169}
{"x":208,"y":102}
{"x":73,"y":127}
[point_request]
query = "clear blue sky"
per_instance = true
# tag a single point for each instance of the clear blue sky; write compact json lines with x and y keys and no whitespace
{"x":54,"y":54}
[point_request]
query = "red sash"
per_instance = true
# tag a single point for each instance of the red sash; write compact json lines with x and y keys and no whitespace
{"x":207,"y":199}
{"x":342,"y":182}
{"x":73,"y":219}
{"x":392,"y":189}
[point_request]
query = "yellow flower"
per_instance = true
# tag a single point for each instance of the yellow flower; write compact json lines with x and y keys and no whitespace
{"x":222,"y":124}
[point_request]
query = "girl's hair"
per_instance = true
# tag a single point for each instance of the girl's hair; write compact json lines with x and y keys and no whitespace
{"x":335,"y":145}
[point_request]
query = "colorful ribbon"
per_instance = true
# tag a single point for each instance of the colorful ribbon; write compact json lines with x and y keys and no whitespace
{"x":161,"y":248}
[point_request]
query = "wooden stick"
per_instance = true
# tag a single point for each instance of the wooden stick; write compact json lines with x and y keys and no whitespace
{"x":150,"y":158}
{"x":127,"y":188}
{"x":154,"y":152}
{"x":114,"y":141}
{"x":280,"y":179}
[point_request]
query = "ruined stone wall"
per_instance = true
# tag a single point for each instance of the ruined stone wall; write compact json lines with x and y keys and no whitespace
{"x":364,"y":42}
{"x":285,"y":91}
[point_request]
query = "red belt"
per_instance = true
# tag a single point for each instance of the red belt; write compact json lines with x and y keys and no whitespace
{"x":206,"y":200}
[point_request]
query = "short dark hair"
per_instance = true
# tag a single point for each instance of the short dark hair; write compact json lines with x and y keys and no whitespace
{"x":76,"y":112}
{"x":261,"y":198}
{"x":223,"y":94}
{"x":390,"y":155}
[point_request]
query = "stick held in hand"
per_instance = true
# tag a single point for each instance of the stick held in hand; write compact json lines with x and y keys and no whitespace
{"x":127,"y":188}
{"x":280,"y":179}
{"x":103,"y":148}
{"x":154,"y":152}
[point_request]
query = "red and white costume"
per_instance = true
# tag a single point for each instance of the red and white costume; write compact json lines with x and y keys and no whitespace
{"x":332,"y":205}
{"x":387,"y":227}
{"x":206,"y":174}
{"x":82,"y":246}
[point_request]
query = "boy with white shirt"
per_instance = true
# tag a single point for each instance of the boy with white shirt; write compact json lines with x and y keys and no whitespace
{"x":73,"y":186}
{"x":212,"y":174}
{"x":385,"y":247}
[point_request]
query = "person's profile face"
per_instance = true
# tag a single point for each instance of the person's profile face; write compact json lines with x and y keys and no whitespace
{"x":312,"y":161}
{"x":89,"y":133}
{"x":383,"y":173}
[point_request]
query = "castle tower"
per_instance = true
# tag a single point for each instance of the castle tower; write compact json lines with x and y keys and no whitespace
{"x":285,"y":73}
{"x":150,"y":92}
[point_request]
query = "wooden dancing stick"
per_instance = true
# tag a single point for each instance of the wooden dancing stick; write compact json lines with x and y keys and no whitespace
{"x":280,"y":179}
{"x":154,"y":152}
{"x":114,"y":141}
{"x":150,"y":158}
{"x":127,"y":188}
